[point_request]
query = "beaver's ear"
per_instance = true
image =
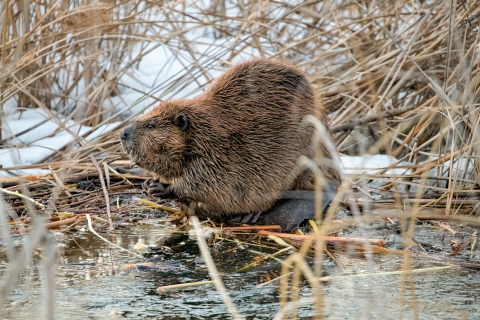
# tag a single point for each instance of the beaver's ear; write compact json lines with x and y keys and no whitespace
{"x":181,"y":122}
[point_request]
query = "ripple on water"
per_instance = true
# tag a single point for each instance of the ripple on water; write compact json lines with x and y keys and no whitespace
{"x":84,"y":291}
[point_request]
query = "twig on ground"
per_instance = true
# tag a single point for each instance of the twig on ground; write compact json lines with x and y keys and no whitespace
{"x":249,"y":228}
{"x":18,"y":194}
{"x":376,"y":242}
{"x":159,"y":206}
{"x":105,"y":192}
{"x":163,"y":289}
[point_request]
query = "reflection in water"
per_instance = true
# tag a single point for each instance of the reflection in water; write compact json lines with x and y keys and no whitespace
{"x":84,"y":290}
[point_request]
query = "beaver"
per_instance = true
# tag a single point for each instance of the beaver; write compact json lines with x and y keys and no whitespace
{"x":234,"y":149}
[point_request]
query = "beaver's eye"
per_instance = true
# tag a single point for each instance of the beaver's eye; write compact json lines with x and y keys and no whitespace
{"x":150,"y":126}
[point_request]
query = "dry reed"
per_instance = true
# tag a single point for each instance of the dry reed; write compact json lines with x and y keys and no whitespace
{"x":397,"y":77}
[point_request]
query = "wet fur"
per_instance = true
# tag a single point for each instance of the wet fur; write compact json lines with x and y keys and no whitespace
{"x":242,"y":140}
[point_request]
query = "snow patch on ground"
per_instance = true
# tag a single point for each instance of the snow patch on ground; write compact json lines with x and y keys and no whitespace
{"x":371,"y":164}
{"x":47,"y":135}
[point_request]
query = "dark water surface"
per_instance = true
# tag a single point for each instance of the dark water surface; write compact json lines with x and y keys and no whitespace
{"x":92,"y":292}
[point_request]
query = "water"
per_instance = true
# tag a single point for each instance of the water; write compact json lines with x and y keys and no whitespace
{"x":86,"y":291}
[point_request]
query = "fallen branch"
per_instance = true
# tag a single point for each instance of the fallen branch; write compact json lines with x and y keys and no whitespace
{"x":13,"y":181}
{"x":18,"y":194}
{"x":248,"y":228}
{"x":56,"y":224}
{"x":158,"y":206}
{"x":162,"y":289}
{"x":375,"y":242}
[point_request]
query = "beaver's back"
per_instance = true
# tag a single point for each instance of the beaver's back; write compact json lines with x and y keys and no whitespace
{"x":247,"y":140}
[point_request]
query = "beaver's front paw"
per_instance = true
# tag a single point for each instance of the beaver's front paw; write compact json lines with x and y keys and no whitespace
{"x":157,"y":189}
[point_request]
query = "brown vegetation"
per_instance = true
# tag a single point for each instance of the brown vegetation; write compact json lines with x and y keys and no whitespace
{"x":397,"y":77}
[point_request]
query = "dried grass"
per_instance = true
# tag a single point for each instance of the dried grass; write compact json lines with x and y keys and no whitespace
{"x":397,"y":77}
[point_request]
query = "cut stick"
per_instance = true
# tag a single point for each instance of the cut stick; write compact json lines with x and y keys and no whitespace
{"x":56,"y":224}
{"x":17,"y":180}
{"x":183,"y":285}
{"x":375,"y":242}
{"x":18,"y":194}
{"x":158,"y":206}
{"x":247,"y":228}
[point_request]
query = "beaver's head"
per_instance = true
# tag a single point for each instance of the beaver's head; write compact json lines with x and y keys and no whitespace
{"x":157,"y":140}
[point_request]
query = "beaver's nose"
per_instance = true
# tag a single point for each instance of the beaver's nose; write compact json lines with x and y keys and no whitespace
{"x":126,"y":133}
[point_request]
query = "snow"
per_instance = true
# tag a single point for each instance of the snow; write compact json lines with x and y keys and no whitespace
{"x":144,"y":85}
{"x":371,"y":164}
{"x":10,"y":105}
{"x":41,"y":142}
{"x":375,"y":164}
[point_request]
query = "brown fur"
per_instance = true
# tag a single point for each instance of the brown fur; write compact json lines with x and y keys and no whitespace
{"x":242,"y":143}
